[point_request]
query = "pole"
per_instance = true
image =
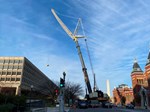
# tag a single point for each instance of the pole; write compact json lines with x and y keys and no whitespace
{"x":61,"y":101}
{"x":61,"y":95}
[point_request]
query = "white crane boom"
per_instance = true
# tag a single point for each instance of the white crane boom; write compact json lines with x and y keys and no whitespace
{"x":63,"y":25}
{"x":75,"y":38}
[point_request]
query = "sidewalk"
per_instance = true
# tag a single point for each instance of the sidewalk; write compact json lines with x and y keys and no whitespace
{"x":55,"y":109}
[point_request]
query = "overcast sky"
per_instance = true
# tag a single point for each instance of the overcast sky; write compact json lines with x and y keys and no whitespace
{"x":117,"y":32}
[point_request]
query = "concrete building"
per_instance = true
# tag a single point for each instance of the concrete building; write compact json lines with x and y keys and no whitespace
{"x":123,"y":91}
{"x":141,"y":84}
{"x":18,"y":76}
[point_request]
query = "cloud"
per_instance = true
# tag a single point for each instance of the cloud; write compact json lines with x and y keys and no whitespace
{"x":117,"y":36}
{"x":117,"y":31}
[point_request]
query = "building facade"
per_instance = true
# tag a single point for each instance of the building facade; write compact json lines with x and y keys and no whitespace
{"x":123,"y":94}
{"x":18,"y":76}
{"x":141,"y":84}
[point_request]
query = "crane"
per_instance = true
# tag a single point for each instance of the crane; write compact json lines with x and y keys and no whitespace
{"x":75,"y":37}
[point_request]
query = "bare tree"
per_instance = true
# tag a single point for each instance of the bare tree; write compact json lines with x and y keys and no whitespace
{"x":72,"y":91}
{"x":123,"y":100}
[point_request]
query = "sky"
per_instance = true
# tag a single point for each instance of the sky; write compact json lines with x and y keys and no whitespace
{"x":117,"y":31}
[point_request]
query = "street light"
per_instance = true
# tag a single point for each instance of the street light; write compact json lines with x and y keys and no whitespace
{"x":64,"y":75}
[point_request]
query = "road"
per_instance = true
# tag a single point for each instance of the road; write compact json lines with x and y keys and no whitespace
{"x":107,"y":110}
{"x":55,"y":109}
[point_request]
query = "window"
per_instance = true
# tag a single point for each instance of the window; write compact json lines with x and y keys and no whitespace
{"x":1,"y":61}
{"x":16,"y":61}
{"x":15,"y":67}
{"x":13,"y":73}
{"x":8,"y":73}
{"x":20,"y":67}
{"x":21,"y":61}
{"x":17,"y":79}
{"x":7,"y":79}
{"x":18,"y":73}
{"x":11,"y":61}
{"x":1,"y":66}
{"x":6,"y":61}
{"x":2,"y":79}
{"x":12,"y":79}
{"x":138,"y":69}
{"x":3,"y":73}
{"x":10,"y":67}
{"x":5,"y":66}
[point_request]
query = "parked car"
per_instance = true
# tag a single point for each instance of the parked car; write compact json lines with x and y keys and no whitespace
{"x":57,"y":104}
{"x":107,"y":105}
{"x":82,"y":104}
{"x":130,"y":106}
{"x":119,"y":105}
{"x":95,"y":103}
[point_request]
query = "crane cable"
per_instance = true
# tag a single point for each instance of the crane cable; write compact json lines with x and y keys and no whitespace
{"x":66,"y":15}
{"x":87,"y":48}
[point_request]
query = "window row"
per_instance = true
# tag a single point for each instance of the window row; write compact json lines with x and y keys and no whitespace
{"x":140,"y":81}
{"x":11,"y":61}
{"x":9,"y":79}
{"x":10,"y":67}
{"x":10,"y":73}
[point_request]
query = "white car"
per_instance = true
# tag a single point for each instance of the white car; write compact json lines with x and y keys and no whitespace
{"x":57,"y":104}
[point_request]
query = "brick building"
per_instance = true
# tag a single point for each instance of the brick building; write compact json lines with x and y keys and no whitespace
{"x":123,"y":92}
{"x":141,"y":84}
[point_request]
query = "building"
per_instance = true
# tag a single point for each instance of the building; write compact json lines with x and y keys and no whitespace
{"x":19,"y":76}
{"x":123,"y":94}
{"x":141,"y":84}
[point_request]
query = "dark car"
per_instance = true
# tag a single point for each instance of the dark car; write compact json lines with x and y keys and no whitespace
{"x":82,"y":104}
{"x":130,"y":106}
{"x":107,"y":105}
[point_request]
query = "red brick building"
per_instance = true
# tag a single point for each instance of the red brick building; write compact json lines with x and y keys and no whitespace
{"x":123,"y":94}
{"x":141,"y":84}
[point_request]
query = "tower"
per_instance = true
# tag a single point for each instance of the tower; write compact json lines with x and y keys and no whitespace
{"x":137,"y":74}
{"x":108,"y":87}
{"x":147,"y":70}
{"x":138,"y":80}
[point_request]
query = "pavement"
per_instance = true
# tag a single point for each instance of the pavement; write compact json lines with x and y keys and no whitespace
{"x":56,"y":109}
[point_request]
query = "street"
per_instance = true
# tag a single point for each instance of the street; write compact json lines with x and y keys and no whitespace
{"x":98,"y":110}
{"x":108,"y":110}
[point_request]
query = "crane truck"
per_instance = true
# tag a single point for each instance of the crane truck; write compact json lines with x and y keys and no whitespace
{"x":96,"y":94}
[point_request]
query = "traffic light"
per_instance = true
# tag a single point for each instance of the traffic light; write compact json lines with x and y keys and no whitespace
{"x":62,"y":83}
{"x":56,"y":91}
